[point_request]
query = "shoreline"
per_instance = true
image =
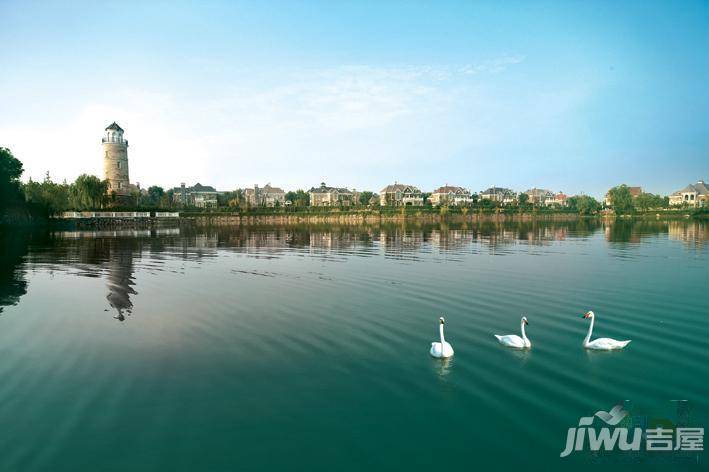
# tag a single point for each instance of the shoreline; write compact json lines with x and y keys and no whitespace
{"x":338,"y":218}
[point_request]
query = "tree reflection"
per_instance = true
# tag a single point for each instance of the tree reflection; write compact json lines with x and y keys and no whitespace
{"x":13,"y":285}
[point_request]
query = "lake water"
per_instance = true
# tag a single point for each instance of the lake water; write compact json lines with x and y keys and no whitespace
{"x":306,"y":348}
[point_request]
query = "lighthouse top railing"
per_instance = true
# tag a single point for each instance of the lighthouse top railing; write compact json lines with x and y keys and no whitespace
{"x":116,"y":141}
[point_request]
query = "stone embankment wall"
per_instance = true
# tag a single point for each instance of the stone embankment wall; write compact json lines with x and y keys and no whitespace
{"x":357,"y":219}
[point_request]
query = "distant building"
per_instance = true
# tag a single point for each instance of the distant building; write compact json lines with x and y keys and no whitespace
{"x":200,"y":196}
{"x":557,"y":199}
{"x":498,"y":194}
{"x":400,"y":195}
{"x":695,"y":195}
{"x":332,"y":196}
{"x":448,"y":194}
{"x":539,"y":195}
{"x":634,"y":192}
{"x":267,"y":196}
{"x":115,"y":161}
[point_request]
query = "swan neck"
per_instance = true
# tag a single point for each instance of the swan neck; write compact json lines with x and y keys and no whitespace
{"x":443,"y":339}
{"x":524,"y":335}
{"x":590,"y":330}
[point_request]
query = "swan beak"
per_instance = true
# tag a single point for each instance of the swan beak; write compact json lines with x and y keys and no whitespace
{"x":585,"y":315}
{"x":526,"y":322}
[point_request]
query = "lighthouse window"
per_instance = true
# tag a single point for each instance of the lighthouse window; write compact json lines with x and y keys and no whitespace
{"x":119,"y":164}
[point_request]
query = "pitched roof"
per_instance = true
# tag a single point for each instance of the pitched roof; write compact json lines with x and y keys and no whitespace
{"x":497,"y":190}
{"x":196,"y":188}
{"x":325,"y":189}
{"x":538,"y":192}
{"x":400,"y":188}
{"x":452,"y":189}
{"x":700,"y":188}
{"x":270,"y":189}
{"x":114,"y":126}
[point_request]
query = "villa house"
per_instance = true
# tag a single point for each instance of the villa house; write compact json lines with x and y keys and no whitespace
{"x":200,"y":196}
{"x":332,"y":196}
{"x":400,"y":195}
{"x":451,"y":195}
{"x":558,"y":199}
{"x":695,"y":195}
{"x":498,"y":194}
{"x":539,"y":195}
{"x":265,"y":196}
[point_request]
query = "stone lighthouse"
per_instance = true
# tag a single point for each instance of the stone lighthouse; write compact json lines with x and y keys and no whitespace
{"x":115,"y":160}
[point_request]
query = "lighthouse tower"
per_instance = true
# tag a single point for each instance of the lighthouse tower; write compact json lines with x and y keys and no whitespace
{"x":115,"y":160}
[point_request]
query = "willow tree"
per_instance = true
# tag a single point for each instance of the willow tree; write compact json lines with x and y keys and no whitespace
{"x":88,"y":192}
{"x":621,"y":199}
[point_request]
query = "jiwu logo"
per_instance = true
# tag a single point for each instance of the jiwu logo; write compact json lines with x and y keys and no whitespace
{"x":605,"y":438}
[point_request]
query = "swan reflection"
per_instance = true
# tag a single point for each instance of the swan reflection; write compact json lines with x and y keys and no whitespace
{"x":443,"y":367}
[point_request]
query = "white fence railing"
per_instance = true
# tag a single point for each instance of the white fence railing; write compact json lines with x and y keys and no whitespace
{"x":105,"y":214}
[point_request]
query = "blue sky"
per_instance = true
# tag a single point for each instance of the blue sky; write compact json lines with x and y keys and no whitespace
{"x":570,"y":96}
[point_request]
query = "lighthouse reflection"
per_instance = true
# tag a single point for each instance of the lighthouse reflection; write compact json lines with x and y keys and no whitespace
{"x":120,"y":280}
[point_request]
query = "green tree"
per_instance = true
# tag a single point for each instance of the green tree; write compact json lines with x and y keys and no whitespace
{"x":646,"y":201}
{"x":230,"y":199}
{"x":583,"y":204}
{"x":621,"y":199}
{"x":299,"y":198}
{"x":155,"y":195}
{"x":88,"y":192}
{"x":10,"y":172}
{"x":523,"y":199}
{"x":169,"y":198}
{"x":48,"y":195}
{"x":365,"y":197}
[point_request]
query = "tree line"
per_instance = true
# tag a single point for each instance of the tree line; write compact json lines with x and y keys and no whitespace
{"x":88,"y":192}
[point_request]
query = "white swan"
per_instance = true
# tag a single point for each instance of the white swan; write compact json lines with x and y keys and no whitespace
{"x":442,"y":349}
{"x":602,"y":344}
{"x":512,"y":340}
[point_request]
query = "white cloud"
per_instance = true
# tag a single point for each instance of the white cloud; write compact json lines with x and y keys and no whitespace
{"x":350,"y":122}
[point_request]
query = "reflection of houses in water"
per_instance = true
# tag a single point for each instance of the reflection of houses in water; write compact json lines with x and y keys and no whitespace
{"x":333,"y":239}
{"x":394,"y":240}
{"x":692,"y":233}
{"x":205,"y":241}
{"x":451,"y":239}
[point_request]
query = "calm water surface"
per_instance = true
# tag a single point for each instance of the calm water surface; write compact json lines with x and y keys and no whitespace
{"x":306,"y":348}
